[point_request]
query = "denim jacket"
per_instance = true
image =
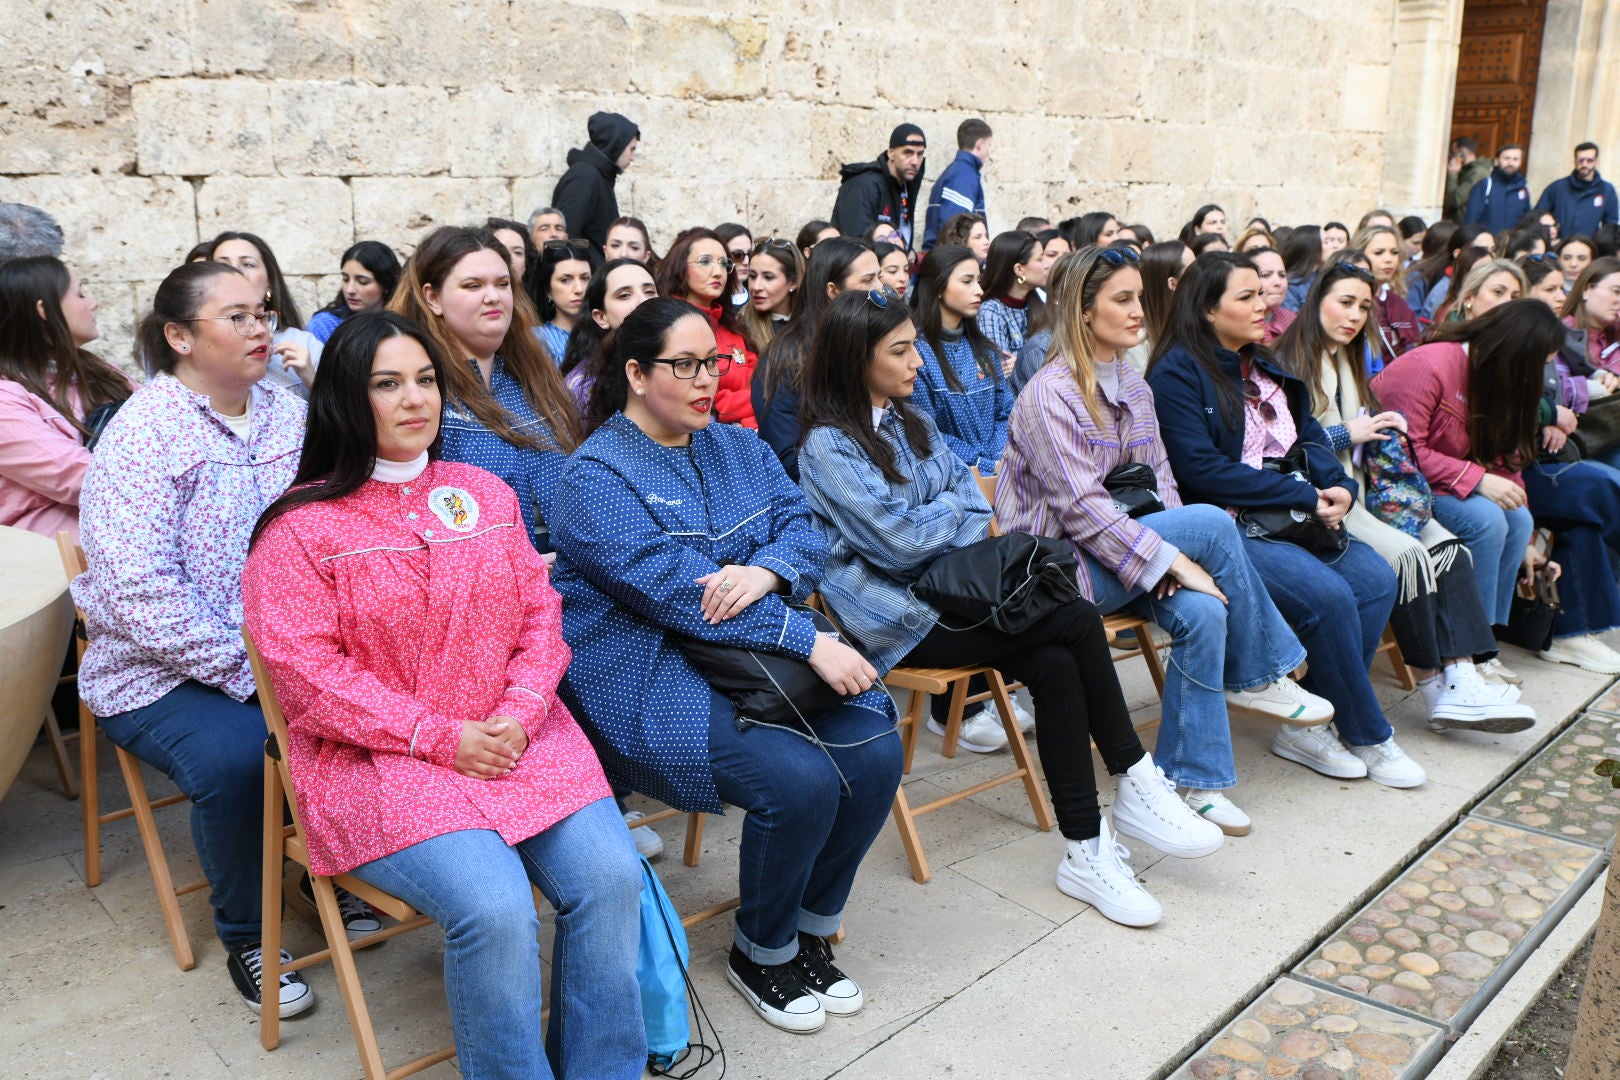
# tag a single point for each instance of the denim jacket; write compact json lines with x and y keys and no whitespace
{"x":881,"y":535}
{"x":972,"y":420}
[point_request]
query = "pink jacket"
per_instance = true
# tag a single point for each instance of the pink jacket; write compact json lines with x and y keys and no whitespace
{"x":1429,"y":385}
{"x":386,"y":619}
{"x":42,"y":462}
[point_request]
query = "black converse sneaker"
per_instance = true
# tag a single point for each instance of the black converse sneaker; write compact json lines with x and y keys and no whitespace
{"x":777,"y":993}
{"x":245,"y":965}
{"x":358,"y":917}
{"x":836,"y":991}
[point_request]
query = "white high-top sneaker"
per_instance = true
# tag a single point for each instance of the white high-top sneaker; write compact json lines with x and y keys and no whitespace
{"x":1096,"y":872}
{"x":1148,"y":808}
{"x":1458,"y":698}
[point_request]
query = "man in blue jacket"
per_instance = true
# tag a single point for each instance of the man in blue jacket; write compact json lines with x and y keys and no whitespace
{"x":883,"y":190}
{"x":959,"y":189}
{"x":1581,"y":201}
{"x":1499,"y":201}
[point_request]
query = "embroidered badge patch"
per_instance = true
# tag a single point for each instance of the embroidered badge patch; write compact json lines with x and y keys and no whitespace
{"x":455,"y":507}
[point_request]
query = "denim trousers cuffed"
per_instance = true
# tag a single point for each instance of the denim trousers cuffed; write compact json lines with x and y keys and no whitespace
{"x":478,"y":889}
{"x":212,"y":747}
{"x":1496,"y":538}
{"x":1339,"y":607}
{"x":1214,"y":647}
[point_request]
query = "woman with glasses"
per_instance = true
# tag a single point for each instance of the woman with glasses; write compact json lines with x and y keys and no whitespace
{"x":812,"y":233}
{"x":1224,"y":408}
{"x":370,"y":270}
{"x":775,"y":291}
{"x":507,"y":410}
{"x":1395,"y":328}
{"x":1080,"y":418}
{"x":1438,"y":619}
{"x":739,"y":244}
{"x":560,"y":277}
{"x":669,"y":527}
{"x":698,"y":270}
{"x":890,"y":497}
{"x":962,"y":386}
{"x":179,"y":478}
{"x":295,"y":353}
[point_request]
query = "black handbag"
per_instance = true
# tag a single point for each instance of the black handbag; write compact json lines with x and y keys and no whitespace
{"x":1598,"y":432}
{"x":1290,"y":525}
{"x":1535,"y":606}
{"x":1006,"y":582}
{"x":1134,"y":489}
{"x":95,"y":421}
{"x":768,"y":687}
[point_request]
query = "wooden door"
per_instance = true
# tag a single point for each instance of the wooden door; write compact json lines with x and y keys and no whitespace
{"x":1497,"y":67}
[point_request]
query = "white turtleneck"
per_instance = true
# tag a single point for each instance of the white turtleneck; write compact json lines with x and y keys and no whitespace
{"x":399,"y":472}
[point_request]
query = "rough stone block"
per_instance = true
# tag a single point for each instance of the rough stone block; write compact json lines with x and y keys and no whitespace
{"x":128,"y":39}
{"x":570,"y":46}
{"x":1365,"y":98}
{"x":199,"y":127}
{"x":399,"y":210}
{"x":116,"y":318}
{"x":1078,"y":79}
{"x":692,"y":56}
{"x":498,"y":133}
{"x":282,"y":38}
{"x":120,"y":228}
{"x":307,"y":221}
{"x":1181,"y":154}
{"x":433,"y":42}
{"x":781,"y":207}
{"x":668,"y":207}
{"x":65,"y":123}
{"x":352,"y":129}
{"x":722,"y":142}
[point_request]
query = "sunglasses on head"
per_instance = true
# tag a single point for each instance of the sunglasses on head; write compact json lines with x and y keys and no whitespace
{"x":578,"y":243}
{"x":880,"y":297}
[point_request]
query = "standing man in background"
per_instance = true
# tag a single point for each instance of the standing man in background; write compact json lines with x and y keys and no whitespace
{"x":1499,"y":201}
{"x":1464,"y":169}
{"x":959,"y":190}
{"x":1583,"y":200}
{"x":883,"y":190}
{"x":585,"y":192}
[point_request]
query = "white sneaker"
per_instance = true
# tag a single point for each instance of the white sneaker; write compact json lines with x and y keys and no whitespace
{"x":1493,"y":670}
{"x":1025,"y":718}
{"x":1216,"y":807}
{"x":1148,"y":809}
{"x":1318,"y":748}
{"x":1388,"y":764}
{"x":1283,"y":700}
{"x":981,"y":732}
{"x":1586,"y":652}
{"x":649,"y":845}
{"x":1458,"y":698}
{"x":1096,"y":872}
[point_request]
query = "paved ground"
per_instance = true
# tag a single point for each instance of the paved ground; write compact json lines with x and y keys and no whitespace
{"x":987,"y":971}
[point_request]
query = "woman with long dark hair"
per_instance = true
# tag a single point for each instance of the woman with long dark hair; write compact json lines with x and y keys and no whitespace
{"x":1467,"y":245}
{"x":506,"y":408}
{"x":614,"y":291}
{"x":698,"y":269}
{"x":50,"y":385}
{"x":1430,"y":266}
{"x":1016,"y":268}
{"x":295,"y":353}
{"x":670,"y":526}
{"x":431,"y":756}
{"x":1224,"y":408}
{"x":370,"y":270}
{"x":628,"y":238}
{"x":1206,"y":219}
{"x":1302,"y":254}
{"x":1592,"y":310}
{"x":890,"y":497}
{"x":1161,"y":267}
{"x":559,"y":277}
{"x":775,"y":291}
{"x":1438,"y":619}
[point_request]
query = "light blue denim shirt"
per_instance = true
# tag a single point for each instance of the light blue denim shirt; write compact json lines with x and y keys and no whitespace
{"x":882,"y":535}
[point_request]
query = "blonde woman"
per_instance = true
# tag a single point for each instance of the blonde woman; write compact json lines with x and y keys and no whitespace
{"x":1491,"y":283}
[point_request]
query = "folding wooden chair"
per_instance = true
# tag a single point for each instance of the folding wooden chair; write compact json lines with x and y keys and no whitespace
{"x":690,"y":856}
{"x":1397,"y":661}
{"x":59,"y":750}
{"x":141,"y":804}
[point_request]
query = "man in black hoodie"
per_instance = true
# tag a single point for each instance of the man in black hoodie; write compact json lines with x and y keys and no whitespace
{"x":585,"y":192}
{"x":883,"y":190}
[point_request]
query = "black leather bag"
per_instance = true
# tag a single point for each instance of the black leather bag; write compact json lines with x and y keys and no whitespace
{"x":1288,"y":524}
{"x":1535,"y":606}
{"x":1006,"y":582}
{"x":768,"y":687}
{"x":96,"y":421}
{"x":1599,"y":429}
{"x":1134,"y":489}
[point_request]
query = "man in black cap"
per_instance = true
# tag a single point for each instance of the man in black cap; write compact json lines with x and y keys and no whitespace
{"x":585,"y":192}
{"x":883,"y":190}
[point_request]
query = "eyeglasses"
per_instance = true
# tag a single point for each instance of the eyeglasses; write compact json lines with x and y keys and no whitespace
{"x":707,"y":261}
{"x":880,"y":297}
{"x":245,"y":322}
{"x":686,"y":367}
{"x":739,"y":256}
{"x":578,"y":243}
{"x":1251,"y":393}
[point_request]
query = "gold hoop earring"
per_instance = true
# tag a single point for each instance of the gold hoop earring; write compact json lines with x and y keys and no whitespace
{"x":1020,"y":279}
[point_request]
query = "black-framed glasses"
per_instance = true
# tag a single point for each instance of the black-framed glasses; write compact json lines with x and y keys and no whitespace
{"x":707,"y":261}
{"x":1251,"y":394}
{"x":575,"y":243}
{"x":686,"y":367}
{"x":880,"y":297}
{"x":244,"y":322}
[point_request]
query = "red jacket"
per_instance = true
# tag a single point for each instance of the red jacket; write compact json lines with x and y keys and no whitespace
{"x":1429,"y":385}
{"x":734,"y":398}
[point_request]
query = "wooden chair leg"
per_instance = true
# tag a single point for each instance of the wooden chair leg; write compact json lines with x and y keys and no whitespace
{"x":913,"y":721}
{"x":1397,"y":662}
{"x":270,"y":909}
{"x":162,"y":881}
{"x":1150,"y":657}
{"x":694,"y":838}
{"x":64,"y":767}
{"x":348,"y":978}
{"x":1020,"y":750}
{"x":838,"y":936}
{"x":90,"y":783}
{"x":909,"y":838}
{"x":953,"y":722}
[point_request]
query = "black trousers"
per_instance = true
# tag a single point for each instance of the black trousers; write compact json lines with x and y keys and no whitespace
{"x":1449,"y":622}
{"x":1065,"y":662}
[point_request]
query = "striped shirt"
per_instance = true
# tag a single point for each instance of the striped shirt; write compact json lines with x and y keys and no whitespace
{"x":555,"y":339}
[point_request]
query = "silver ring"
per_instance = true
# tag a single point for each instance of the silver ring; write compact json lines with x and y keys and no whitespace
{"x":727,"y":586}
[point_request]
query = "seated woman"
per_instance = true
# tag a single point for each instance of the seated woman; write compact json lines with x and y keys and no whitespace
{"x":1592,"y":310}
{"x":775,"y":293}
{"x":50,"y":388}
{"x":964,"y":230}
{"x":697,"y":269}
{"x":506,"y":407}
{"x":614,"y":291}
{"x":1273,"y":287}
{"x":1438,"y":620}
{"x":962,"y":387}
{"x":431,"y":755}
{"x":1395,"y":327}
{"x":1084,"y":415}
{"x":1224,"y":407}
{"x":670,"y":526}
{"x":295,"y":353}
{"x":891,"y":497}
{"x":180,"y":476}
{"x":370,"y":270}
{"x":561,"y":272}
{"x":1497,"y":363}
{"x":1016,"y":268}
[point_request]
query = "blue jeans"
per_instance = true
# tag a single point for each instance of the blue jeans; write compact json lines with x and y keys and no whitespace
{"x":1239,"y":645}
{"x":804,"y":836}
{"x":1496,"y":538}
{"x":477,"y":889}
{"x":1339,"y":610}
{"x":1580,"y":502}
{"x":212,"y":747}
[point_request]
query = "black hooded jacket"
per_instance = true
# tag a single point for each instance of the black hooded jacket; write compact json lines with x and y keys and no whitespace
{"x":585,"y":192}
{"x":869,"y":194}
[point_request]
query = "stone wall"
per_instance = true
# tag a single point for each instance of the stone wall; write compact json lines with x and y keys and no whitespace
{"x":146,"y":124}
